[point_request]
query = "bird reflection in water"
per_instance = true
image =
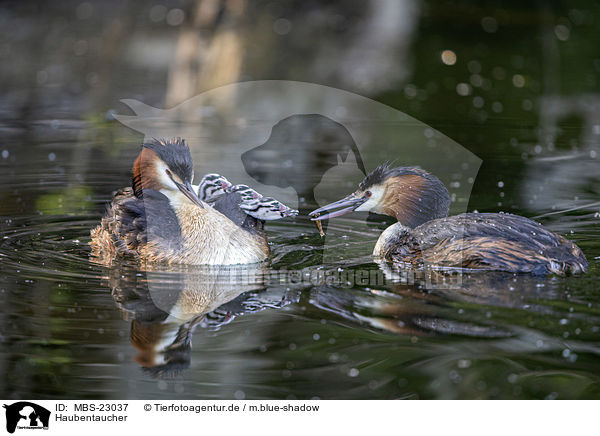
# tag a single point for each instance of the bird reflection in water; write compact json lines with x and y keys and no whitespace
{"x":165,"y":306}
{"x":434,"y":303}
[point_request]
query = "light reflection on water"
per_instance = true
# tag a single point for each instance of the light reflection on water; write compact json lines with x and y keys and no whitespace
{"x":72,"y":328}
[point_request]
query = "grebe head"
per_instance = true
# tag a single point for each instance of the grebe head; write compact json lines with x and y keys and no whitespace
{"x":213,"y":185}
{"x":267,"y":209}
{"x":410,"y":194}
{"x":165,"y":166}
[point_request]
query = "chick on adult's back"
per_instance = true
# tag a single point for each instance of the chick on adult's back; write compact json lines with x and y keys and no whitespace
{"x":161,"y":219}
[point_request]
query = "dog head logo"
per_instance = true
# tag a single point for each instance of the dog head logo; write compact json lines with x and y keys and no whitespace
{"x":26,"y":415}
{"x":306,"y":145}
{"x":318,"y":140}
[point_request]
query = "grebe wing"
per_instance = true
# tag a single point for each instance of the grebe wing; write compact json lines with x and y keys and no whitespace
{"x":490,"y":225}
{"x":491,"y":241}
{"x":229,"y":205}
{"x":140,"y":220}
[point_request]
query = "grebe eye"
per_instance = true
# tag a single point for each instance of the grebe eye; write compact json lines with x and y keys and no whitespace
{"x":368,"y":194}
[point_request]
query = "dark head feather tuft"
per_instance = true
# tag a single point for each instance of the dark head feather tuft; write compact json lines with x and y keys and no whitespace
{"x":175,"y":153}
{"x":384,"y":172}
{"x":375,"y":177}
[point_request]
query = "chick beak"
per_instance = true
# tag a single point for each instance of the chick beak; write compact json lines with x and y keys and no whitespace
{"x":348,"y":204}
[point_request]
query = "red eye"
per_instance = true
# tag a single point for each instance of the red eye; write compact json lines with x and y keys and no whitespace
{"x":168,"y":172}
{"x":368,"y":194}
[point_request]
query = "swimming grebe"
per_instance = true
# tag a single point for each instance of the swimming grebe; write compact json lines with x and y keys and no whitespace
{"x":425,"y":234}
{"x":161,"y":218}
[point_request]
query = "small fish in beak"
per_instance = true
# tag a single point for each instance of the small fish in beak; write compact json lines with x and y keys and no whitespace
{"x":319,"y":225}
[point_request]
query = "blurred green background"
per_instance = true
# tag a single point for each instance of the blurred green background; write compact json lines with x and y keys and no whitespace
{"x":519,"y":79}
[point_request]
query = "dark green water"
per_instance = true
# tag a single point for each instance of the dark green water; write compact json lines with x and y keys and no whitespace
{"x":70,"y":328}
{"x":67,"y":322}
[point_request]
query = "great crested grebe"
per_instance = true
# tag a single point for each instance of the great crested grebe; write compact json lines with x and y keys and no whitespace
{"x":161,"y":218}
{"x":425,"y":234}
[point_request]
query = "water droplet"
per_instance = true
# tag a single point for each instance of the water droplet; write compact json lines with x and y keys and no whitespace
{"x":463,"y":89}
{"x":489,"y":24}
{"x":478,"y":102}
{"x":353,"y":372}
{"x":562,"y":32}
{"x":476,"y":80}
{"x":410,"y":90}
{"x":527,"y":105}
{"x":464,"y":363}
{"x":175,"y":17}
{"x":448,"y":57}
{"x":518,"y":81}
{"x":282,"y":26}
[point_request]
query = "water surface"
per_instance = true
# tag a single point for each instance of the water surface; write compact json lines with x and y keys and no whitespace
{"x":76,"y":329}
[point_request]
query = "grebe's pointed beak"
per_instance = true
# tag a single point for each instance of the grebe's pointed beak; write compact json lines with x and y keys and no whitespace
{"x":187,"y":190}
{"x":348,"y":204}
